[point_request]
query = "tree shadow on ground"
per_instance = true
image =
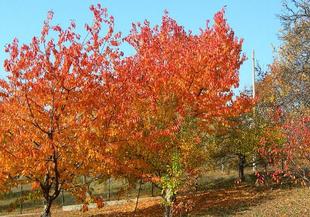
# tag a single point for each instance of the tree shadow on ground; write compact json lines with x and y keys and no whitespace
{"x":227,"y":202}
{"x":217,"y":202}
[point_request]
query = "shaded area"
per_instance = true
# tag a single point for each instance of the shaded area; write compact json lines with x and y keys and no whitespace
{"x":225,"y":202}
{"x":220,"y":202}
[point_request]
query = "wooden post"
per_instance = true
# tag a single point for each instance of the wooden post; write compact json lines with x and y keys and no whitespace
{"x":21,"y":200}
{"x":253,"y":73}
{"x":109,"y":188}
{"x":253,"y":94}
{"x":62,"y":198}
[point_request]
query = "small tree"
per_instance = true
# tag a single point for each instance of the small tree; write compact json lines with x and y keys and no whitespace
{"x":46,"y":103}
{"x":239,"y":139}
{"x":178,"y":87}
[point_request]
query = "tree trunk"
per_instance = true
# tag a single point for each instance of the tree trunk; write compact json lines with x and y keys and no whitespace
{"x":169,"y":199}
{"x":47,"y":209}
{"x":168,"y":211}
{"x":51,"y":181}
{"x":196,"y":183}
{"x":241,"y":167}
{"x":254,"y":164}
{"x":222,"y":165}
{"x":152,"y":189}
{"x":282,"y":164}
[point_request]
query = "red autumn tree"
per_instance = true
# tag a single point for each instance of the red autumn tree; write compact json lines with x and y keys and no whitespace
{"x":297,"y":147}
{"x":285,"y":131}
{"x":178,"y":87}
{"x":284,"y":96}
{"x":284,"y":145}
{"x":46,"y":103}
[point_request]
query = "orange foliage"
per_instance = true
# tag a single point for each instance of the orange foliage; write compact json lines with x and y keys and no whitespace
{"x":73,"y":107}
{"x":49,"y":100}
{"x":177,"y":87}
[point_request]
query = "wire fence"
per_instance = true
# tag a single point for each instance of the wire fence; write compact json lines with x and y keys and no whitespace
{"x":23,"y":199}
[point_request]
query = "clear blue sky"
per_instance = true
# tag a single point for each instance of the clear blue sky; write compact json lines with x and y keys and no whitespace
{"x":253,"y":20}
